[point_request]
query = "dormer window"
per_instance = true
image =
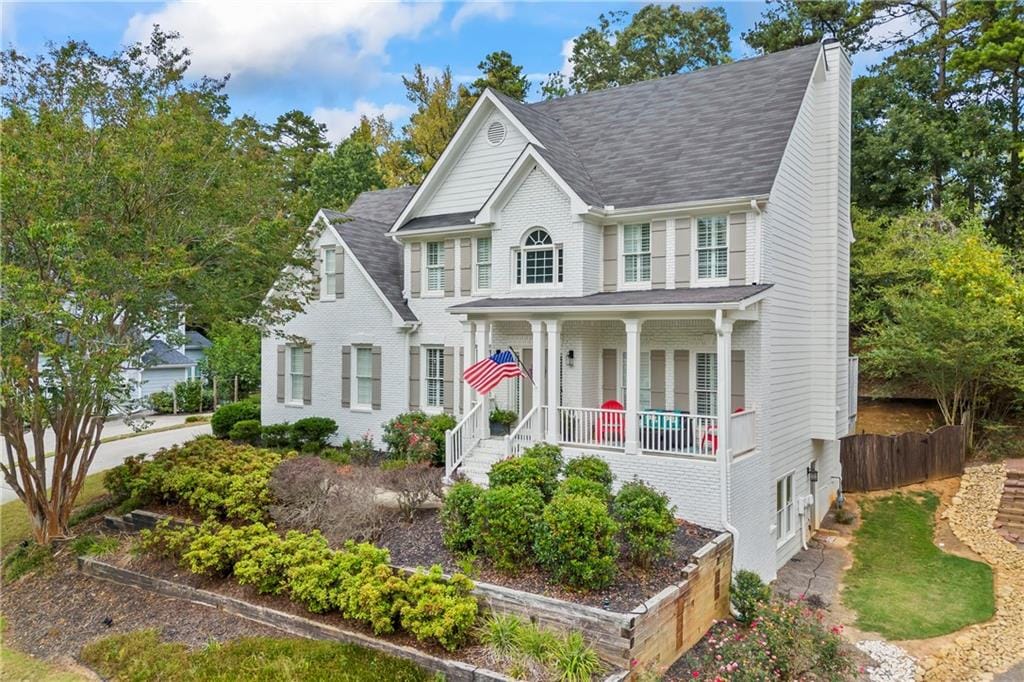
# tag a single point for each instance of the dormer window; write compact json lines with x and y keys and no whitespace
{"x":539,"y":260}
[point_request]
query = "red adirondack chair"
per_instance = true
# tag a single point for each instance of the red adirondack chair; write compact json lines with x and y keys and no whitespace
{"x":710,"y":435}
{"x":611,"y":423}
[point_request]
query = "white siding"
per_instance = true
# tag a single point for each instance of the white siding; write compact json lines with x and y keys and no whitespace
{"x":159,"y":379}
{"x":477,"y":171}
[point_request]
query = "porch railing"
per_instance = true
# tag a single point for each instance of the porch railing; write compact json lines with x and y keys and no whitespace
{"x":591,"y":427}
{"x":674,"y":433}
{"x":527,"y":431}
{"x":458,"y":442}
{"x":743,"y":431}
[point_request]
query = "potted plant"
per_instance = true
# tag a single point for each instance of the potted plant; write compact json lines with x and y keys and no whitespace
{"x":502,"y":421}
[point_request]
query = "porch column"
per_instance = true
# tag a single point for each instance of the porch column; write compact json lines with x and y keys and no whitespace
{"x":552,"y":379}
{"x":632,"y":385}
{"x":468,"y":358}
{"x":723,"y":383}
{"x":537,"y":327}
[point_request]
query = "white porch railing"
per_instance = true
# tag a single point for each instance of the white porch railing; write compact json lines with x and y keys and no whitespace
{"x":743,"y":431}
{"x":673,"y":433}
{"x":529,"y":430}
{"x":591,"y":427}
{"x":458,"y":442}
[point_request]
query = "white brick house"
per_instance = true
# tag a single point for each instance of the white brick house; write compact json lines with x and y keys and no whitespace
{"x":680,"y":246}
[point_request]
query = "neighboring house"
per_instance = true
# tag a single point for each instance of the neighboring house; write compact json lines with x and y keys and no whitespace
{"x":680,"y":246}
{"x":164,"y":365}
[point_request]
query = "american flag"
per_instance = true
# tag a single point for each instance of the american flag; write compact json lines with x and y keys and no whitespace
{"x":488,"y":373}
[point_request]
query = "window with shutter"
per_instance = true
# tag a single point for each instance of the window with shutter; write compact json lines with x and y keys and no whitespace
{"x":713,"y":248}
{"x":434,"y":377}
{"x":435,"y":266}
{"x":707,"y":384}
{"x":364,"y":376}
{"x":636,"y":253}
{"x":327,"y":277}
{"x":483,"y":263}
{"x":295,"y":360}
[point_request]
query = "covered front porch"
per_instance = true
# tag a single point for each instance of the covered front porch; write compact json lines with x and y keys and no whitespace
{"x":619,"y":380}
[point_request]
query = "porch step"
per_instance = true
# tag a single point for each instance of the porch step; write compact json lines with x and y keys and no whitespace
{"x":478,"y":462}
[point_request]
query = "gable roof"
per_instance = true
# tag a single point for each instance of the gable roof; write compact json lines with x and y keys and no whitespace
{"x":364,"y":227}
{"x":194,"y":339}
{"x":160,"y":354}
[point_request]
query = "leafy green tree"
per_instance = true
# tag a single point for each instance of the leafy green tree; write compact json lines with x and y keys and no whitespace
{"x":656,"y":41}
{"x":298,"y":139}
{"x":441,"y":106}
{"x":792,"y":23}
{"x":960,"y":332}
{"x":500,"y":73}
{"x":235,"y":353}
{"x":339,"y":176}
{"x":130,"y":202}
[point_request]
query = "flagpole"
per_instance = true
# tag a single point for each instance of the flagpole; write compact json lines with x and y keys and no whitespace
{"x":522,"y":366}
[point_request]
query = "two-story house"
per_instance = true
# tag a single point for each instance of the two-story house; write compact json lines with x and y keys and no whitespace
{"x":669,"y":259}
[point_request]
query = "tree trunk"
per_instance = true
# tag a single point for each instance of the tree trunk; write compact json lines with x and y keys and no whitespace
{"x":938,"y":165}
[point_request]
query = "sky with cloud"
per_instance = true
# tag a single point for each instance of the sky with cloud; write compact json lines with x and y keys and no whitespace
{"x":335,"y":60}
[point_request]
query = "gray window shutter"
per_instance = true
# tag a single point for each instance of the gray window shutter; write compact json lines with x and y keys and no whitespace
{"x":609,"y":374}
{"x":681,"y":380}
{"x":449,"y":379}
{"x":683,"y":227}
{"x":375,"y":381}
{"x":737,"y":248}
{"x":466,"y":266}
{"x":280,"y":373}
{"x":414,"y":377}
{"x":449,"y":267}
{"x":658,"y":379}
{"x":318,"y":268}
{"x":339,"y":273}
{"x":738,"y":389}
{"x":611,"y":258}
{"x":307,"y":375}
{"x":658,"y":254}
{"x":415,"y":269}
{"x":346,"y":376}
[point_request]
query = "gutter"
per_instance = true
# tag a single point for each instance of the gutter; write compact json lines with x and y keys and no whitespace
{"x":611,"y":211}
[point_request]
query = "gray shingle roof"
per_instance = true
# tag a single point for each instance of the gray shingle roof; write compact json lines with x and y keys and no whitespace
{"x":194,"y":339}
{"x":439,"y":220}
{"x":160,"y":353}
{"x":364,"y":227}
{"x":696,"y":296}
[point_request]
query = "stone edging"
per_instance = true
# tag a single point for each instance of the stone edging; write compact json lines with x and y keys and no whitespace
{"x":997,"y":644}
{"x":296,"y":625}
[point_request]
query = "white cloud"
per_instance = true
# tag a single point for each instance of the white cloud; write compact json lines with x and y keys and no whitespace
{"x":567,"y":46}
{"x":273,"y":37}
{"x":340,"y":122}
{"x":474,"y":9}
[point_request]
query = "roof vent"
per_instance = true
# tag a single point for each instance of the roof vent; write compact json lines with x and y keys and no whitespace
{"x":496,"y":133}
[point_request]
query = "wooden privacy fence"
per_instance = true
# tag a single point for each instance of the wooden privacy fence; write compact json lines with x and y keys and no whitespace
{"x":874,"y":462}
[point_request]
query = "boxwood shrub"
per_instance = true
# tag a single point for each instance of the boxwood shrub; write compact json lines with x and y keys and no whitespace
{"x":228,"y":415}
{"x":647,"y":522}
{"x":247,"y":431}
{"x":547,"y":451}
{"x":458,"y":516}
{"x":575,"y":541}
{"x":506,"y":517}
{"x":576,"y":485}
{"x":311,"y":434}
{"x":535,"y":472}
{"x":592,"y":468}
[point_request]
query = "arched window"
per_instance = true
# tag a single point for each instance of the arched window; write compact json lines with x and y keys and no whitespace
{"x":539,"y":260}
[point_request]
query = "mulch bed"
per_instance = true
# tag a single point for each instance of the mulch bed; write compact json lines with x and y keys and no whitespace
{"x":419,"y":544}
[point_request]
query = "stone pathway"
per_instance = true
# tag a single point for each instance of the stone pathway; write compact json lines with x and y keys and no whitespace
{"x":892,"y":663}
{"x":995,"y":646}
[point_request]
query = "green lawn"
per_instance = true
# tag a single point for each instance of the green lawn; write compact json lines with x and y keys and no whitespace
{"x":141,"y":657}
{"x":15,"y":525}
{"x":901,"y":585}
{"x":18,"y":667}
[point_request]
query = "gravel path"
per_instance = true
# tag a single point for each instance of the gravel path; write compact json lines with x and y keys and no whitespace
{"x":891,"y":663}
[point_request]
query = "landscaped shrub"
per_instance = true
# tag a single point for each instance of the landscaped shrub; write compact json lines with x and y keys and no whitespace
{"x":574,"y":661}
{"x":506,"y":517}
{"x":458,"y":516}
{"x":161,"y":402}
{"x":549,"y":452}
{"x":575,"y":485}
{"x":247,"y":431}
{"x":534,"y":472}
{"x":189,"y":396}
{"x":276,"y":435}
{"x":118,"y":481}
{"x":437,"y":609}
{"x":526,"y":651}
{"x":410,"y":436}
{"x":414,"y":484}
{"x":360,"y":451}
{"x":647,"y":522}
{"x":592,"y":468}
{"x":311,"y":434}
{"x":748,"y":591}
{"x":227,"y":415}
{"x":575,"y":541}
{"x":436,"y":426}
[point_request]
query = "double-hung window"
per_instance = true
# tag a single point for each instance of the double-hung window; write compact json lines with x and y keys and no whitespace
{"x":435,"y":266}
{"x":434,"y":378}
{"x":636,"y":253}
{"x":328,"y":288}
{"x":295,"y":362}
{"x":539,"y":261}
{"x":483,"y":263}
{"x":364,"y":376}
{"x":784,"y":508}
{"x":707,"y":384}
{"x":713,"y":247}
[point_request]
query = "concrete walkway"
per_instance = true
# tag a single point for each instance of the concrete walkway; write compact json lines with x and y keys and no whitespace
{"x":109,"y":455}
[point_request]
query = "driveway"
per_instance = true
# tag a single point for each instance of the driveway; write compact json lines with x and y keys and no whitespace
{"x":109,"y":455}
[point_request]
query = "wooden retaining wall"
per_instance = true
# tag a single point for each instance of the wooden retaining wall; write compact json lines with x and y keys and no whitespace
{"x":875,"y":462}
{"x":656,"y":632}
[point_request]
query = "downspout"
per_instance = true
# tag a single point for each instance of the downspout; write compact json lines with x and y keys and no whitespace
{"x":725,"y":461}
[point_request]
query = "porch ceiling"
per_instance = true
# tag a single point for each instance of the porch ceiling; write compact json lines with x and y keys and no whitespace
{"x":651,"y":300}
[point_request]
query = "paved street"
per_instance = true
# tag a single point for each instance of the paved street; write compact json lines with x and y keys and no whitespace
{"x":111,"y":454}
